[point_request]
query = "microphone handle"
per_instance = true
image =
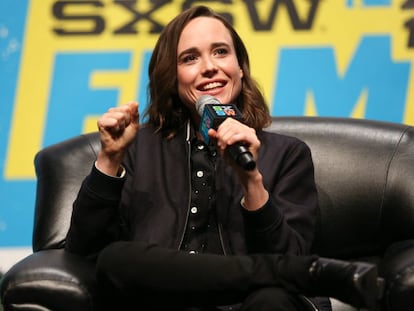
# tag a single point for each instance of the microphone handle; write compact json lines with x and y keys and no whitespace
{"x":242,"y":156}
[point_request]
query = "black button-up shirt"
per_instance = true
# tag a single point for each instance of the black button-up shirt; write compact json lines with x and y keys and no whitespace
{"x":201,"y":234}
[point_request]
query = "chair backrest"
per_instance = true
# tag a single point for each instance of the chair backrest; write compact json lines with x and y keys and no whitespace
{"x":60,"y":170}
{"x":364,"y":172}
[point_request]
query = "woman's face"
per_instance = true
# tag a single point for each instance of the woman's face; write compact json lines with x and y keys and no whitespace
{"x":207,"y":62}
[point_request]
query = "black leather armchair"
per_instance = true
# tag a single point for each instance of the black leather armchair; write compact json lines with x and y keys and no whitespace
{"x":365,"y":178}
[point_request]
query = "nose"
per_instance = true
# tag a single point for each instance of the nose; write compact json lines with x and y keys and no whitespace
{"x":209,"y":66}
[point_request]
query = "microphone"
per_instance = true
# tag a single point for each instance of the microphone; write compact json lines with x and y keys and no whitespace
{"x":213,"y":113}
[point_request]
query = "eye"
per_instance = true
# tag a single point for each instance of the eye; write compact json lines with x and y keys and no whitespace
{"x":221,"y":51}
{"x":188,"y":58}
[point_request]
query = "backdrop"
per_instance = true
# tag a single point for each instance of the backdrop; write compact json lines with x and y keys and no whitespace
{"x":63,"y":63}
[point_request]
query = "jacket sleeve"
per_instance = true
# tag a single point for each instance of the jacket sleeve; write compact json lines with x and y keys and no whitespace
{"x":286,"y":223}
{"x":95,"y":218}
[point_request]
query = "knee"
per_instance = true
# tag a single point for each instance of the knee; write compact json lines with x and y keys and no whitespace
{"x":108,"y":260}
{"x":105,"y":258}
{"x":272,"y":299}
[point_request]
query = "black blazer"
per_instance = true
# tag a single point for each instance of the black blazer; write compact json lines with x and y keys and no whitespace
{"x":154,"y":199}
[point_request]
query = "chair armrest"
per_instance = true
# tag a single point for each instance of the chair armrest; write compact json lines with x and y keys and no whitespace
{"x":397,"y":268}
{"x":50,"y":280}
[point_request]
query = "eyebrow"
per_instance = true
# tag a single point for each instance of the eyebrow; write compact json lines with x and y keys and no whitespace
{"x":194,"y":49}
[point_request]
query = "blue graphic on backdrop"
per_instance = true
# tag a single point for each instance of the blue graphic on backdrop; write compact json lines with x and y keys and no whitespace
{"x":69,"y":104}
{"x":384,"y":80}
{"x":369,"y":3}
{"x":142,"y":91}
{"x":13,"y":213}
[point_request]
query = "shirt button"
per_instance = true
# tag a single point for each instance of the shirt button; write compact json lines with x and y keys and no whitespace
{"x":194,"y":210}
{"x":200,"y":173}
{"x":192,"y":252}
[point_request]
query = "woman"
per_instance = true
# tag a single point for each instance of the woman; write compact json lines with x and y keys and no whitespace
{"x":176,"y":223}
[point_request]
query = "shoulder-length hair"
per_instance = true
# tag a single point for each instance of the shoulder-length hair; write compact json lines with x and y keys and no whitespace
{"x":166,"y":112}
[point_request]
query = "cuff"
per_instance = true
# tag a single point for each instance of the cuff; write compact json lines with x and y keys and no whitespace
{"x":105,"y":186}
{"x":262,"y":218}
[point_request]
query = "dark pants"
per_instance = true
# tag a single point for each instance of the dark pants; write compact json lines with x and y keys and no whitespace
{"x":155,"y":278}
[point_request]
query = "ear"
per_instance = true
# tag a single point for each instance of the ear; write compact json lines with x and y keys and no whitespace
{"x":241,"y":73}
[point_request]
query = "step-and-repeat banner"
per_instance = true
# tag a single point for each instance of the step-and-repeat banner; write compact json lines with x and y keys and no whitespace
{"x":64,"y":63}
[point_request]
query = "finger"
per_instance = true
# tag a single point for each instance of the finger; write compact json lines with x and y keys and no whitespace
{"x":232,"y":131}
{"x":107,"y":121}
{"x":127,"y":113}
{"x":133,"y":108}
{"x":111,"y":123}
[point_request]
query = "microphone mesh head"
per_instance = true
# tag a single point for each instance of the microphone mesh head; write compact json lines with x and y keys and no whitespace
{"x":203,"y":100}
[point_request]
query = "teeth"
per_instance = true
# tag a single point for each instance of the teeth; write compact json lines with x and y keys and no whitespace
{"x":212,"y":85}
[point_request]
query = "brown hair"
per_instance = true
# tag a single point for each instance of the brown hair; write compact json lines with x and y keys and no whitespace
{"x":165,"y":110}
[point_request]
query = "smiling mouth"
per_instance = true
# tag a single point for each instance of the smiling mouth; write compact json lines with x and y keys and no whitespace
{"x":211,"y":86}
